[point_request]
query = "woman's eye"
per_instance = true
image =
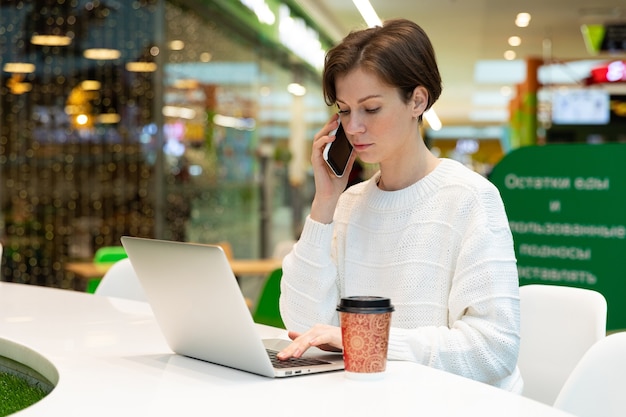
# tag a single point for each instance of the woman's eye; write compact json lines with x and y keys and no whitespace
{"x":372,"y":110}
{"x":343,"y":111}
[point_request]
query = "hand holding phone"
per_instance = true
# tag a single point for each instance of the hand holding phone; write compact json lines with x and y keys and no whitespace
{"x":337,"y":153}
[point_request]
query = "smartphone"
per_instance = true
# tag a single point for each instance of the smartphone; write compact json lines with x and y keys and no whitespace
{"x":337,"y":153}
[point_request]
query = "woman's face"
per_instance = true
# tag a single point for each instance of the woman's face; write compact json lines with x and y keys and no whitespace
{"x":379,"y":124}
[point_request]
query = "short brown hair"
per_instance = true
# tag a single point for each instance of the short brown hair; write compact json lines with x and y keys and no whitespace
{"x":399,"y":53}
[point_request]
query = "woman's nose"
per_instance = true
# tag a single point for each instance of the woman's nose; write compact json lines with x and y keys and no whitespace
{"x":352,"y":125}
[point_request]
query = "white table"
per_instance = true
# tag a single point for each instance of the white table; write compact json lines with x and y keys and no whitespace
{"x":113,"y":361}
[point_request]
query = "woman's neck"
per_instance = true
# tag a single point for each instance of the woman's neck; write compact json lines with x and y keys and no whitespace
{"x":397,"y":175}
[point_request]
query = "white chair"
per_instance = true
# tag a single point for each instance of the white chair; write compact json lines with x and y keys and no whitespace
{"x":121,"y":281}
{"x":597,"y":384}
{"x":558,"y":325}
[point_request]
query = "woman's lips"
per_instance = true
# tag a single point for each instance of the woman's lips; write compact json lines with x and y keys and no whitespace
{"x":361,"y":147}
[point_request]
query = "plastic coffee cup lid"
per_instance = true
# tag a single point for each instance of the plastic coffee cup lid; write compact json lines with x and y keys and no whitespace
{"x":365,"y":304}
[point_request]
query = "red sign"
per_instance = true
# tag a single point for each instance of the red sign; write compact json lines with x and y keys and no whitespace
{"x":612,"y":72}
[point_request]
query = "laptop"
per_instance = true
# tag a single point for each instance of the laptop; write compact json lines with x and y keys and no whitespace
{"x":203,"y":314}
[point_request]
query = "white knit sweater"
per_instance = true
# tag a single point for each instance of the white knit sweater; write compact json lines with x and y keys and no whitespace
{"x":441,"y":250}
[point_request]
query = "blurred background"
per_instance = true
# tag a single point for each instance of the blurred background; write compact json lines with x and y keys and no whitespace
{"x":191,"y":120}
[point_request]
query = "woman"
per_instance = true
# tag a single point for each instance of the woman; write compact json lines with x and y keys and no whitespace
{"x":428,"y":233}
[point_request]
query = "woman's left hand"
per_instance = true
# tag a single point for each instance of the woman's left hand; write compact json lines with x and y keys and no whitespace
{"x":322,"y":336}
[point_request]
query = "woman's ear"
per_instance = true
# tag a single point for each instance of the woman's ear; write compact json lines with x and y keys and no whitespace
{"x":419,"y":100}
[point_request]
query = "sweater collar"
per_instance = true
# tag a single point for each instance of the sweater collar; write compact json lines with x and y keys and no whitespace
{"x":418,"y":191}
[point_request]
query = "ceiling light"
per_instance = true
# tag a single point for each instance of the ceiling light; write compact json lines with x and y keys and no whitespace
{"x":141,"y":66}
{"x":296,"y":89}
{"x":91,"y":85}
{"x":108,"y":118}
{"x":515,"y":41}
{"x":19,"y":67}
{"x":82,"y":119}
{"x":53,"y":22}
{"x":432,"y":119}
{"x":102,"y":54}
{"x":522,"y":20}
{"x":177,"y":45}
{"x":509,"y":55}
{"x":262,"y":11}
{"x":179,"y":112}
{"x":50,"y":40}
{"x":367,"y":12}
{"x":297,"y":36}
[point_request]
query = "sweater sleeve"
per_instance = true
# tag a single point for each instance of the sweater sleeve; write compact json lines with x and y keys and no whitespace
{"x":309,"y":286}
{"x":481,"y":340}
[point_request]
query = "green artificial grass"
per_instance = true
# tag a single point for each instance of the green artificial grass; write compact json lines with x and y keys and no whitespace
{"x":17,"y":393}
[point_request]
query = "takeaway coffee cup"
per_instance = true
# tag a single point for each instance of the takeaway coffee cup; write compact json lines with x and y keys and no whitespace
{"x":365,"y":322}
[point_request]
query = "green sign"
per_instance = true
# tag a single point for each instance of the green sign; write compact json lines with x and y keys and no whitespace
{"x":610,"y":37}
{"x":567,"y":211}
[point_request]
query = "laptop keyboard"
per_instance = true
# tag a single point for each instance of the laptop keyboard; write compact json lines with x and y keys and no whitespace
{"x":291,"y":362}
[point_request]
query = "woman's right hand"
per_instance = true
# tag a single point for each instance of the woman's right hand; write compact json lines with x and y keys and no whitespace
{"x":322,"y":336}
{"x":328,"y":187}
